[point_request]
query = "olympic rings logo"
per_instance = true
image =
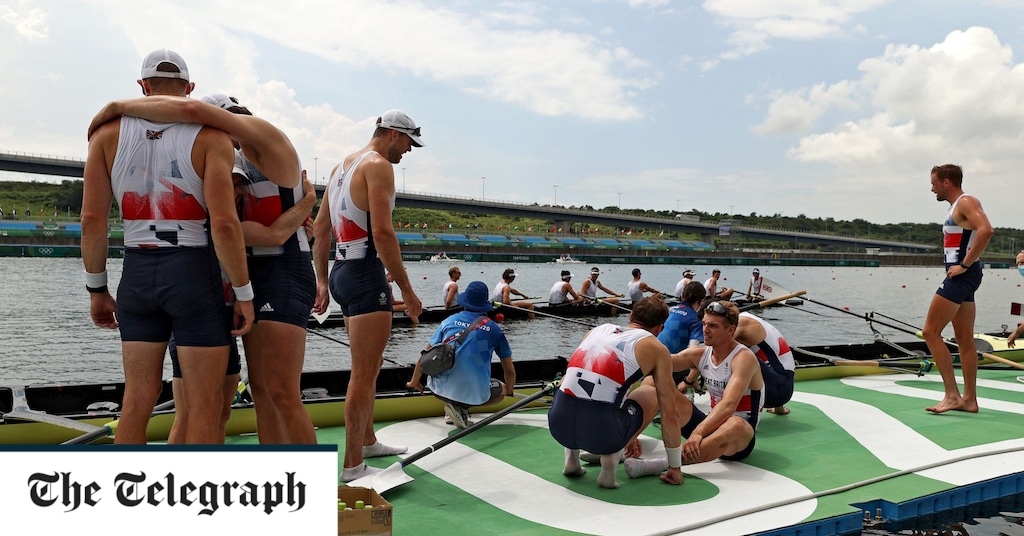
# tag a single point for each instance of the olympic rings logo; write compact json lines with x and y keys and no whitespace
{"x":45,"y":251}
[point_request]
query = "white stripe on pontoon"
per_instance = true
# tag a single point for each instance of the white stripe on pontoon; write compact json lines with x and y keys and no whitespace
{"x":530,"y":497}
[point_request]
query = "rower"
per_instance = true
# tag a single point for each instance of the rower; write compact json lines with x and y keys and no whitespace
{"x":754,"y":287}
{"x":560,"y":292}
{"x":687,"y":278}
{"x":503,"y":292}
{"x":711,"y":286}
{"x":591,"y":284}
{"x":636,"y":288}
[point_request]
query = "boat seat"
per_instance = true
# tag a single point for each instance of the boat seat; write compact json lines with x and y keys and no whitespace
{"x":314,"y":392}
{"x":102,"y":407}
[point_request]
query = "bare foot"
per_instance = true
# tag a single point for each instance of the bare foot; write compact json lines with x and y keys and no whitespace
{"x":781,"y":410}
{"x":947,"y":404}
{"x":970,"y":405}
{"x":572,"y":464}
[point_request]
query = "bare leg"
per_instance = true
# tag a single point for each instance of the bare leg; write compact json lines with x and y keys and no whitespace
{"x":572,"y":463}
{"x":202,"y":379}
{"x":963,"y":328}
{"x":368,"y":335}
{"x":143,"y":370}
{"x":733,"y":436}
{"x":177,"y":434}
{"x":940,"y":313}
{"x":274,"y":352}
{"x":525,"y":305}
{"x":609,"y":465}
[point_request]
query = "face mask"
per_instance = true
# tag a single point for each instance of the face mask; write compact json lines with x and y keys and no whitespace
{"x":1021,"y":270}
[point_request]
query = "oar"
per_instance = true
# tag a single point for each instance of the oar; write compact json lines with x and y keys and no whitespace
{"x":320,"y":317}
{"x":917,"y":333}
{"x":110,"y":428}
{"x":918,"y":367}
{"x":608,"y":303}
{"x":395,"y":476}
{"x":499,"y":304}
{"x":343,"y":343}
{"x":21,"y":412}
{"x":772,"y":301}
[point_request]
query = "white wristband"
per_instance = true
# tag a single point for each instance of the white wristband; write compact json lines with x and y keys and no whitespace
{"x":244,"y":292}
{"x":675,"y":456}
{"x":96,"y":280}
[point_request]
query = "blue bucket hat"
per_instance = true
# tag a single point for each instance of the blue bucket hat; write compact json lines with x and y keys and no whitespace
{"x":476,"y":298}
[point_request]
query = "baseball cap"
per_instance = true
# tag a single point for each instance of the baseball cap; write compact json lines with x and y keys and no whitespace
{"x":756,"y":271}
{"x":595,"y":270}
{"x":400,"y":121}
{"x":688,"y":271}
{"x":566,"y":274}
{"x":509,"y":272}
{"x":239,"y":169}
{"x":155,"y":58}
{"x":225,"y":102}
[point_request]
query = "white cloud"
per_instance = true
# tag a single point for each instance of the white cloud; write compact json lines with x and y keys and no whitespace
{"x":546,"y":71}
{"x":755,"y":23}
{"x":965,"y":93}
{"x":28,"y":23}
{"x":797,"y":111}
{"x":960,"y":101}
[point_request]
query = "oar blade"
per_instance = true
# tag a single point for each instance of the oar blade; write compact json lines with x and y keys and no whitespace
{"x":53,"y":420}
{"x":390,"y":478}
{"x":321,"y":317}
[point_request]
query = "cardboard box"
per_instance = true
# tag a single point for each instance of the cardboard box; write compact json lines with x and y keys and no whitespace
{"x":366,"y":522}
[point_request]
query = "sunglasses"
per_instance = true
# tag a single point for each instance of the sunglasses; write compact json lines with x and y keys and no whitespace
{"x":716,"y":307}
{"x":410,"y":131}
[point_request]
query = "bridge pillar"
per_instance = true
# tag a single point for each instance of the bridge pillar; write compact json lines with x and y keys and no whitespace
{"x":708,"y":238}
{"x":563,"y":225}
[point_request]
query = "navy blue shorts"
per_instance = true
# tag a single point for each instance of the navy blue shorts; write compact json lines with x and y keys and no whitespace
{"x":360,"y":286}
{"x":234,"y":360}
{"x":596,"y":427}
{"x":172,"y":290}
{"x":778,"y":384}
{"x":698,"y":417}
{"x":961,"y":288}
{"x":285,"y":288}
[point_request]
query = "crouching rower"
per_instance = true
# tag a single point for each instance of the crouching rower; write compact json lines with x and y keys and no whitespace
{"x":593,"y":407}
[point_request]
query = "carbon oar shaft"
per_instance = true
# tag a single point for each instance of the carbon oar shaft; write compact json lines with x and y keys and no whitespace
{"x":499,"y":304}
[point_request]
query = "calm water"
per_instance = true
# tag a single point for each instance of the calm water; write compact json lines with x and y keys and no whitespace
{"x":46,"y":335}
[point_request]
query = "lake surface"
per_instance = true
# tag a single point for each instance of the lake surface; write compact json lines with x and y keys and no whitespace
{"x":46,"y":335}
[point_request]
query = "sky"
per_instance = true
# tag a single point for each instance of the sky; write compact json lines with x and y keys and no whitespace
{"x":827,"y":108}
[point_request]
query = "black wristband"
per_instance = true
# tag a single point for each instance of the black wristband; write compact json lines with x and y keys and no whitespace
{"x":964,"y":266}
{"x":96,"y":290}
{"x":688,"y":382}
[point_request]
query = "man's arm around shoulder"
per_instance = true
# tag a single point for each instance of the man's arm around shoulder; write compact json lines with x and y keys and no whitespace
{"x":217,"y":160}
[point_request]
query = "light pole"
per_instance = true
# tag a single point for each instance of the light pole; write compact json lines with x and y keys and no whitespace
{"x":315,"y":176}
{"x":483,"y":187}
{"x":403,"y":179}
{"x":556,"y":194}
{"x":620,"y":200}
{"x":677,"y":204}
{"x":730,"y":209}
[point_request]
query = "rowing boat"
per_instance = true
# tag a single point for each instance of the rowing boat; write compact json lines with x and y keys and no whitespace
{"x":324,"y":391}
{"x":434,"y":315}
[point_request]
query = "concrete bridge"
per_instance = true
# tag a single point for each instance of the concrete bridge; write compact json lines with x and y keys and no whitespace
{"x":708,"y":231}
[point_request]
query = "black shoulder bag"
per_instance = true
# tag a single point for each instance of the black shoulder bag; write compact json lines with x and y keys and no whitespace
{"x":440,"y":358}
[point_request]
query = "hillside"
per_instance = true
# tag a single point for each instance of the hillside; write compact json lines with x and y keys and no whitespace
{"x":66,"y":197}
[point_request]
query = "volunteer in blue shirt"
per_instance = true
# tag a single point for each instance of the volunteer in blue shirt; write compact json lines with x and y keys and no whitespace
{"x":683,"y":328}
{"x":468,"y":382}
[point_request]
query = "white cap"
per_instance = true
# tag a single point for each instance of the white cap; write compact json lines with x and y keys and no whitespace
{"x":595,"y":270}
{"x":225,"y":102}
{"x":400,"y":121}
{"x":163,"y":55}
{"x":239,"y":169}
